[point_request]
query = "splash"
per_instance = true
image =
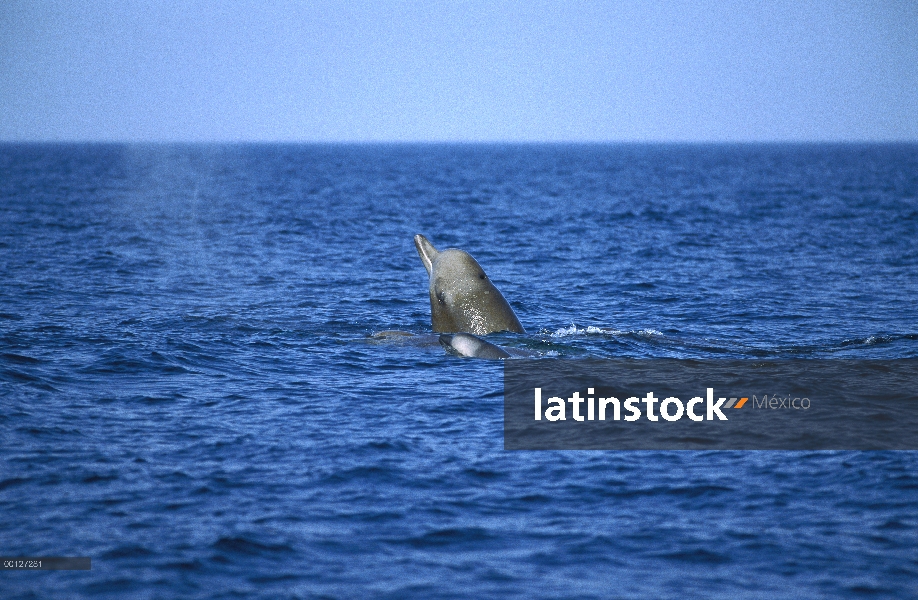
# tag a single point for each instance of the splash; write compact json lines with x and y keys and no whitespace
{"x":592,"y":330}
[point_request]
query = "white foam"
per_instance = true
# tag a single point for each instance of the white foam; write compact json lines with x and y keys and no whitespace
{"x":592,"y":330}
{"x":648,"y":332}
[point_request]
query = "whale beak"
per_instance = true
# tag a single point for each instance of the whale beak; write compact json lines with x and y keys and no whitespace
{"x":426,"y":251}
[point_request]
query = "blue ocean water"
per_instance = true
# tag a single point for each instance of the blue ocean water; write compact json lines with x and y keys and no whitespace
{"x":191,"y":393}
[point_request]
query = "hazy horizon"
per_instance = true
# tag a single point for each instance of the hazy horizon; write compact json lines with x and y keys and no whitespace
{"x":475,"y":143}
{"x":459,"y":72}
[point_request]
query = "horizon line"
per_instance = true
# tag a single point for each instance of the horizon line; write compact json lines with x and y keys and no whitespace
{"x":449,"y":142}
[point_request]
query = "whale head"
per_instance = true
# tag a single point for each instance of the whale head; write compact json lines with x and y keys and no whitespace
{"x":462,"y":297}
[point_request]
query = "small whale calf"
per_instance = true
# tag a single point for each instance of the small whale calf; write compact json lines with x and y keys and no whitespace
{"x":466,"y":344}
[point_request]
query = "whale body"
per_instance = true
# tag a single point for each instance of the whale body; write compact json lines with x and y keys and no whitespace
{"x":465,"y":344}
{"x":462,"y":298}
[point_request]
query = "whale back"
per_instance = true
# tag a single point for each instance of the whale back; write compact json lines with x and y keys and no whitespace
{"x":464,"y":344}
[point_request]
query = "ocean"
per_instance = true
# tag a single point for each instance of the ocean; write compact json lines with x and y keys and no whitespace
{"x":192,"y":394}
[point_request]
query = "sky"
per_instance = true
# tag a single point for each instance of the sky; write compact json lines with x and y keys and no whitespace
{"x":454,"y":71}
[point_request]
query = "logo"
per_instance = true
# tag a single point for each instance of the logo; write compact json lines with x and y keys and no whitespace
{"x":670,"y":409}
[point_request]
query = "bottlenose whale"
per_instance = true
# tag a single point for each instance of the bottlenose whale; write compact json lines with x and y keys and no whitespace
{"x":465,"y":344}
{"x":462,"y":298}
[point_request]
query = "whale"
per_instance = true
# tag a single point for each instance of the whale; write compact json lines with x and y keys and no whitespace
{"x":462,"y":297}
{"x":464,"y":344}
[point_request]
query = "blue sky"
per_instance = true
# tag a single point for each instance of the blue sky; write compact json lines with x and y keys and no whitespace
{"x":355,"y":71}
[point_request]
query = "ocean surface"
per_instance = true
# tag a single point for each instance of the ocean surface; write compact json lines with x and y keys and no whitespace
{"x":192,"y":395}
